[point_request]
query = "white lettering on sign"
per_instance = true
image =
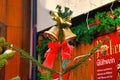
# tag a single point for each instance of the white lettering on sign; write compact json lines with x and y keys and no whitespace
{"x":104,"y":73}
{"x":101,"y":62}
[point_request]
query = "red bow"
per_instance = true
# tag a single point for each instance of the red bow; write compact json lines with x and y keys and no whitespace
{"x":66,"y":50}
{"x":52,"y":52}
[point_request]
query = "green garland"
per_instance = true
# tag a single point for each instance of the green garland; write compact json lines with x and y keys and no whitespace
{"x":108,"y":25}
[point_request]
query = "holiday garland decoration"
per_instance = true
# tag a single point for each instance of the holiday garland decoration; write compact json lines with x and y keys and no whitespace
{"x":102,"y":23}
{"x":52,"y":52}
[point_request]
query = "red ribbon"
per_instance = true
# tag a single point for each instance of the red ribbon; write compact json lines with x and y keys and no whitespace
{"x":52,"y":52}
{"x":66,"y":50}
{"x":65,"y":76}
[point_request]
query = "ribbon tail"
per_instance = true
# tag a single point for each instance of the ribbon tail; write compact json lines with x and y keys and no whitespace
{"x":66,"y":50}
{"x":66,"y":76}
{"x":49,"y":61}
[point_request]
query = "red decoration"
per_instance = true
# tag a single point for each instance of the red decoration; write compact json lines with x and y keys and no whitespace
{"x":111,"y":15}
{"x":39,"y":43}
{"x":52,"y":52}
{"x":97,"y":22}
{"x":65,"y":76}
{"x":66,"y":50}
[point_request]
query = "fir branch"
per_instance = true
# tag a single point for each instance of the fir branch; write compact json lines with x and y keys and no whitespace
{"x":2,"y":63}
{"x":86,"y":56}
{"x":25,"y":54}
{"x":16,"y":78}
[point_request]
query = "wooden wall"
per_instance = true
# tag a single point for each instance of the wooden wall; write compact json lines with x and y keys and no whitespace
{"x":16,"y":16}
{"x":14,"y":35}
{"x":2,"y":28}
{"x":86,"y":70}
{"x":3,"y":11}
{"x":26,"y":19}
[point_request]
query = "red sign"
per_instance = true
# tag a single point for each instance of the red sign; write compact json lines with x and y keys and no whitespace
{"x":107,"y":57}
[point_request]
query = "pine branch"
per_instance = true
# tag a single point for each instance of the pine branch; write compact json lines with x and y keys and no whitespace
{"x":25,"y":54}
{"x":86,"y":56}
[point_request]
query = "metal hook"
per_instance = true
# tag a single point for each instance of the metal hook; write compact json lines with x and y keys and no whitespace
{"x":111,"y":7}
{"x":87,"y":20}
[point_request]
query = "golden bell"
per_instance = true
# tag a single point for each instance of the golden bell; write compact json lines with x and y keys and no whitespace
{"x":52,"y":33}
{"x":68,"y":35}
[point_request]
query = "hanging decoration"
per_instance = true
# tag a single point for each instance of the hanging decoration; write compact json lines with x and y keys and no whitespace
{"x":59,"y":34}
{"x":59,"y":43}
{"x":52,"y":52}
{"x":63,"y":20}
{"x":102,"y":23}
